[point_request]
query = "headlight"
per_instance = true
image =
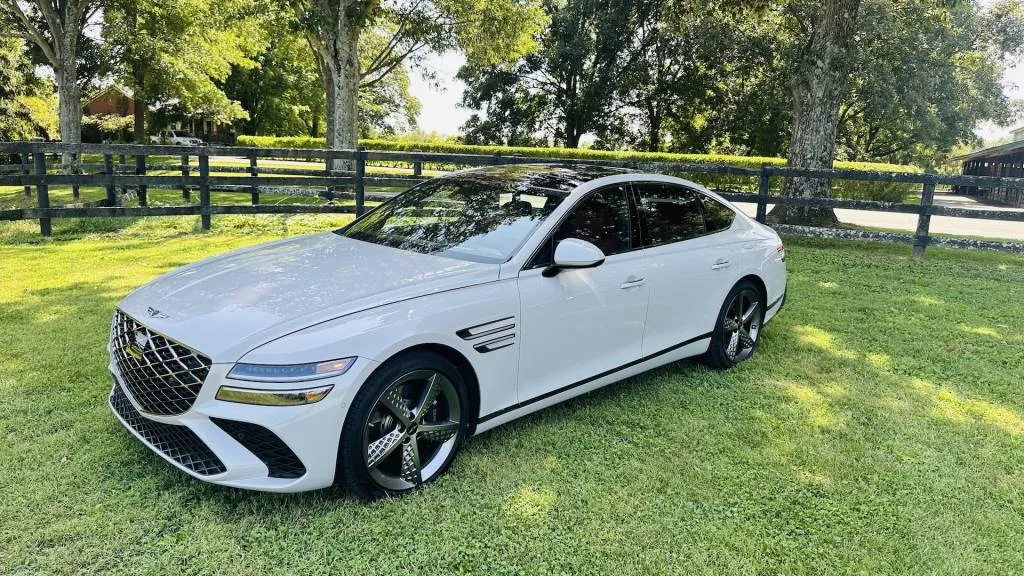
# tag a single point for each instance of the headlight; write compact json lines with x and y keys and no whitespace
{"x":290,"y":372}
{"x":273,"y":397}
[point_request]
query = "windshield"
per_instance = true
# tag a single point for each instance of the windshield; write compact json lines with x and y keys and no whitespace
{"x":182,"y":133}
{"x":470,"y":217}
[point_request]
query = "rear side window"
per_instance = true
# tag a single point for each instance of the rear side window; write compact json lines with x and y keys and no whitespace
{"x":669,"y":213}
{"x":717,"y":216}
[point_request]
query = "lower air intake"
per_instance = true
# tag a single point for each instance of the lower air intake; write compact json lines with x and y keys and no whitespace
{"x":178,"y":443}
{"x":279,"y":458}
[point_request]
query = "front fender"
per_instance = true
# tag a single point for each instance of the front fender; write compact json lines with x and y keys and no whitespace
{"x":380,"y":333}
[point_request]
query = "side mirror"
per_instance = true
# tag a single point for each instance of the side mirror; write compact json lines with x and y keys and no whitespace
{"x":573,"y":253}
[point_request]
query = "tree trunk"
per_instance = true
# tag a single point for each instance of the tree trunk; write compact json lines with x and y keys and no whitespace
{"x":653,"y":130}
{"x":69,"y":105}
{"x":817,"y":92}
{"x":139,"y":76}
{"x":338,"y":60}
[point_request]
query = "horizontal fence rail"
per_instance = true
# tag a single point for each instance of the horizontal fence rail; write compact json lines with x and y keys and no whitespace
{"x":128,"y":172}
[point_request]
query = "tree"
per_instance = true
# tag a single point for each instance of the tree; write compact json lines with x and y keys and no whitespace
{"x":822,"y":68}
{"x":925,"y":76}
{"x":181,"y":51}
{"x":572,"y":80}
{"x":686,"y":59}
{"x":23,"y":99}
{"x":515,"y":115}
{"x":55,"y":26}
{"x":488,"y":31}
{"x":283,"y":93}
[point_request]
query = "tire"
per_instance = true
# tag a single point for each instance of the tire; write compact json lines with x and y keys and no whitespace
{"x":404,"y":426}
{"x":732,"y":341}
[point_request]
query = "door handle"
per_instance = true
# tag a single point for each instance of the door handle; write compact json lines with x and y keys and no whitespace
{"x":721,"y":264}
{"x":633,"y":282}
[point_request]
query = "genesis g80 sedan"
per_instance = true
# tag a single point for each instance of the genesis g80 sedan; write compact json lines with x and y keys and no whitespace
{"x":368,"y":355}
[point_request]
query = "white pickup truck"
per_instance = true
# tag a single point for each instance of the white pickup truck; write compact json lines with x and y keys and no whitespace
{"x":177,"y":137}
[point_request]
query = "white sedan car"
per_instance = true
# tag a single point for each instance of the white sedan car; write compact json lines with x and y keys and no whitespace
{"x":366,"y":356}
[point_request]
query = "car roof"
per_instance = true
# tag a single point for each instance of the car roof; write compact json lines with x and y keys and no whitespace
{"x":563,"y":177}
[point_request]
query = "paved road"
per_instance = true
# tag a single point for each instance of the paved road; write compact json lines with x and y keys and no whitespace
{"x":941,"y":224}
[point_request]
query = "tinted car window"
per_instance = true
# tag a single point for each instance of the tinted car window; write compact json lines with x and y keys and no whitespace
{"x":669,"y":213}
{"x":468,"y":217}
{"x":602,"y":218}
{"x":717,"y":216}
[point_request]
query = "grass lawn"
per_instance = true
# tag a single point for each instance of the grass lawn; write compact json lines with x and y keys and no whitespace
{"x":878,"y":430}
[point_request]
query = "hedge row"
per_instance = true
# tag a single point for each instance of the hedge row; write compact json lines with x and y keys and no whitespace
{"x":882,"y":191}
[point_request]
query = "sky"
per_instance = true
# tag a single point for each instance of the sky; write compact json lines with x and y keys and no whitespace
{"x":441,"y":111}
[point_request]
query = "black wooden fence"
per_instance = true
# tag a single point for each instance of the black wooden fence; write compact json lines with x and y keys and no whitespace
{"x":110,"y":169}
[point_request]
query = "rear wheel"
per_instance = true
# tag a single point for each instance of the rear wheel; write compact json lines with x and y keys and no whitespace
{"x":739,"y":324}
{"x":404,"y":427}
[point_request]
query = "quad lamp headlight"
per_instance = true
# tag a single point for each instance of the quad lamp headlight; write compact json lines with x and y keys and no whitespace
{"x":282,"y":373}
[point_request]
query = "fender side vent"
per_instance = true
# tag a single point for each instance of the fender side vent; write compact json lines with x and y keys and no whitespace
{"x":496,"y":344}
{"x":496,"y":334}
{"x":487,"y":329}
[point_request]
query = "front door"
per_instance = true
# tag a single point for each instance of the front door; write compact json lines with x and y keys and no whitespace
{"x":582,"y":323}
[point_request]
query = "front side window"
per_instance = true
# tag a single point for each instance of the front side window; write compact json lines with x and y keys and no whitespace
{"x":601,"y":218}
{"x":669,"y":213}
{"x":466,"y":217}
{"x":717,"y":216}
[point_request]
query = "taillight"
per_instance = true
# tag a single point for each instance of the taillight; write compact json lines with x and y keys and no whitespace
{"x":782,"y":252}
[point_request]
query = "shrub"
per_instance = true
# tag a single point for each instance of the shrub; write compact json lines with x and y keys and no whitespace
{"x":881,"y":191}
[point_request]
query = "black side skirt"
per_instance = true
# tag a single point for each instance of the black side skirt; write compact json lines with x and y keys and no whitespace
{"x":558,"y":391}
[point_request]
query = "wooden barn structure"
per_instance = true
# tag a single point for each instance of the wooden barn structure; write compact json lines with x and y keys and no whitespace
{"x":1003,"y":160}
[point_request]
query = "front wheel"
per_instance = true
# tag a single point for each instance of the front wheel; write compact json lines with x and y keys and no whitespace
{"x":739,"y":324}
{"x":404,"y":426}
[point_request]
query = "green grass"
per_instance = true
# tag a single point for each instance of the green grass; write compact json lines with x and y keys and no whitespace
{"x":879,"y":430}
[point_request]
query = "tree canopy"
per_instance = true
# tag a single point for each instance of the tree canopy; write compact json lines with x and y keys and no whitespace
{"x":24,"y":98}
{"x":179,"y":51}
{"x":704,"y":76}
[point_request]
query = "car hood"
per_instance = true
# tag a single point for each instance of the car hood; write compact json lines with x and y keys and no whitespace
{"x":227,"y":305}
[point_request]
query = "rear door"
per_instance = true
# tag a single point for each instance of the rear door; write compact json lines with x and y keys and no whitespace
{"x":690,"y":269}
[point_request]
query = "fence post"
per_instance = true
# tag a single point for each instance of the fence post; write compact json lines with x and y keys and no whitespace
{"x":360,"y":179}
{"x":762,"y":195}
{"x":76,"y":192}
{"x":140,"y":169}
{"x":924,"y":217}
{"x":122,"y":167}
{"x":204,"y":190}
{"x":108,"y":170}
{"x":27,"y":171}
{"x":42,"y":192}
{"x":186,"y":192}
{"x":254,"y":172}
{"x":417,"y":166}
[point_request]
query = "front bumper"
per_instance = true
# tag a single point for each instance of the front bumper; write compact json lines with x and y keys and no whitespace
{"x":216,"y":441}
